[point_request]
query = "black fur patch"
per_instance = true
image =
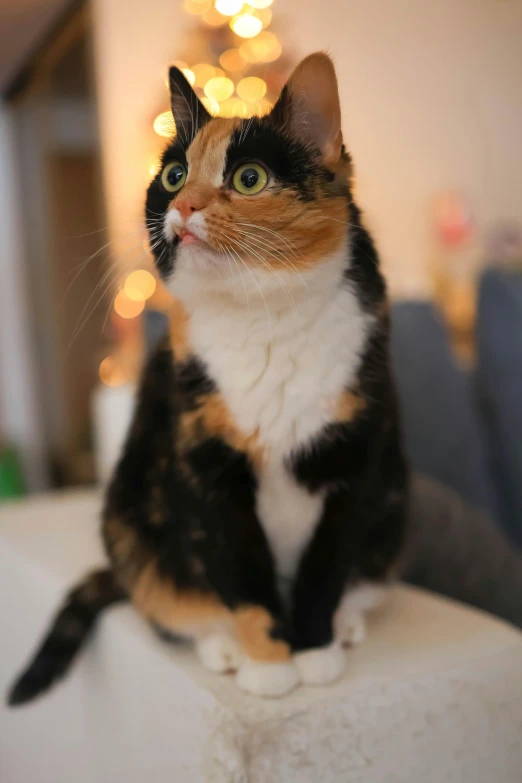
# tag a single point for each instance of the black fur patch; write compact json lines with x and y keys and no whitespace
{"x":70,"y":628}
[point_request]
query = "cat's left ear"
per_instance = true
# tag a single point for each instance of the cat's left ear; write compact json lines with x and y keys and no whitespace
{"x":309,"y":105}
{"x":189,"y":113}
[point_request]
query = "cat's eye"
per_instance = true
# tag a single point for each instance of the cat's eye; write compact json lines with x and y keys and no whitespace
{"x":173,"y":176}
{"x":250,"y":178}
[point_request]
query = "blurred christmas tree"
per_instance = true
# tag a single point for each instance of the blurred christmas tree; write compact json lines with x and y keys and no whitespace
{"x":234,"y":59}
{"x":234,"y":62}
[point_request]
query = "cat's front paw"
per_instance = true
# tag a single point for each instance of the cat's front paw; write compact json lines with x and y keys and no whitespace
{"x":267,"y":679}
{"x":220,"y":653}
{"x":351,"y":629}
{"x":321,"y":665}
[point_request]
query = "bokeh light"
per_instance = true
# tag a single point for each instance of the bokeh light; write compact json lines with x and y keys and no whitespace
{"x":189,"y":75}
{"x":153,"y":165}
{"x":139,"y":285}
{"x":197,"y":7}
{"x":246,"y":25}
{"x":262,"y":107}
{"x":264,"y":48}
{"x":247,"y":53}
{"x":220,"y":88}
{"x":260,"y":3}
{"x":265,"y":16}
{"x":231,"y":60}
{"x":110,"y":372}
{"x":202,"y":73}
{"x":127,"y":308}
{"x":164,"y":125}
{"x":210,"y":104}
{"x":251,"y":89}
{"x":214,"y":18}
{"x":234,"y":107}
{"x":181,"y":64}
{"x":229,"y":7}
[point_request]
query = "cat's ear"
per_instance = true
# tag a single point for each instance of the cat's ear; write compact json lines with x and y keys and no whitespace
{"x":309,"y":106}
{"x":189,"y":113}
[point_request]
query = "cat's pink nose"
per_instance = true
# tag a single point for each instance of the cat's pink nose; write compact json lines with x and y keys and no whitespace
{"x":187,"y":204}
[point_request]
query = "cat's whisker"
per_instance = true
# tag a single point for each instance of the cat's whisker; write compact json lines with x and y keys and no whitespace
{"x":232,"y":250}
{"x":278,"y":255}
{"x":110,"y":273}
{"x":239,"y":272}
{"x":250,"y":249}
{"x":114,"y":269}
{"x":291,"y":245}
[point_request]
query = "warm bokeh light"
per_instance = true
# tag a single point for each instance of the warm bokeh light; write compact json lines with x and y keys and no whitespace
{"x":139,"y":285}
{"x":231,"y":60}
{"x":214,"y":18}
{"x":202,"y":73}
{"x":260,"y":3}
{"x":164,"y":125}
{"x":153,"y":165}
{"x":127,"y":308}
{"x":247,"y":53}
{"x":264,"y":48}
{"x":246,"y":25}
{"x":234,"y":107}
{"x":229,"y":7}
{"x":251,"y":89}
{"x":220,"y":88}
{"x":219,"y":72}
{"x":197,"y":7}
{"x":181,"y":64}
{"x":265,"y":16}
{"x":189,"y":75}
{"x":110,"y":373}
{"x":263,"y":107}
{"x":210,"y":105}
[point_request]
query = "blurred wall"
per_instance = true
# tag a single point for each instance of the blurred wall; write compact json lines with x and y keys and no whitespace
{"x":431,"y":100}
{"x":20,"y":421}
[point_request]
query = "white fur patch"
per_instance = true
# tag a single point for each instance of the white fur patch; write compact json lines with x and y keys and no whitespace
{"x":219,"y":652}
{"x":267,"y":679}
{"x":349,"y":620}
{"x":281,"y":366}
{"x":289,"y":514}
{"x":322,"y":665}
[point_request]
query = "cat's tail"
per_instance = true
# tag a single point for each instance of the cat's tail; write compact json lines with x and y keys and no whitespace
{"x":68,"y":632}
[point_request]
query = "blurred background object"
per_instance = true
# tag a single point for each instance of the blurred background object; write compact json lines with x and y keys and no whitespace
{"x":433,"y":118}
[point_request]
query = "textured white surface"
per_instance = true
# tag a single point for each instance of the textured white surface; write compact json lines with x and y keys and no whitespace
{"x":433,"y":694}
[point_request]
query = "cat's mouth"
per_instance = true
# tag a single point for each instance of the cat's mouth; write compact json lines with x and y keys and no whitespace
{"x":188,"y":238}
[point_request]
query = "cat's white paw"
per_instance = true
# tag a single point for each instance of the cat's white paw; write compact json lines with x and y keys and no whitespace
{"x":219,"y":652}
{"x":267,"y":679}
{"x":321,"y":665}
{"x":351,"y":629}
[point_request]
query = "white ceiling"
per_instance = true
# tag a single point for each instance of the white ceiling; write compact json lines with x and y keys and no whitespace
{"x":23,"y":25}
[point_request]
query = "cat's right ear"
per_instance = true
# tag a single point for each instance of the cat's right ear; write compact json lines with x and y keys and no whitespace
{"x":189,"y":113}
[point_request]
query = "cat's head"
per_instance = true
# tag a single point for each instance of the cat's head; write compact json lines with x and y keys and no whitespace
{"x":252,"y":204}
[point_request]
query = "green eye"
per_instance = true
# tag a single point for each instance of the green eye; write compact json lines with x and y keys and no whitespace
{"x":250,"y":178}
{"x":173,"y":176}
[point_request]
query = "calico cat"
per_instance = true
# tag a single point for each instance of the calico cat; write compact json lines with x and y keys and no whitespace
{"x":259,"y":505}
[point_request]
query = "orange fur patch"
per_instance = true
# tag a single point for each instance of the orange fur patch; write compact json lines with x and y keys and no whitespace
{"x":253,"y":625}
{"x":212,"y":418}
{"x":349,"y":406}
{"x":178,"y":321}
{"x":272,"y":229}
{"x":158,"y":599}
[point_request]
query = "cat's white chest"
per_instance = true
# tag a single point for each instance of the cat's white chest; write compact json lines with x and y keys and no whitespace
{"x":281,"y":380}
